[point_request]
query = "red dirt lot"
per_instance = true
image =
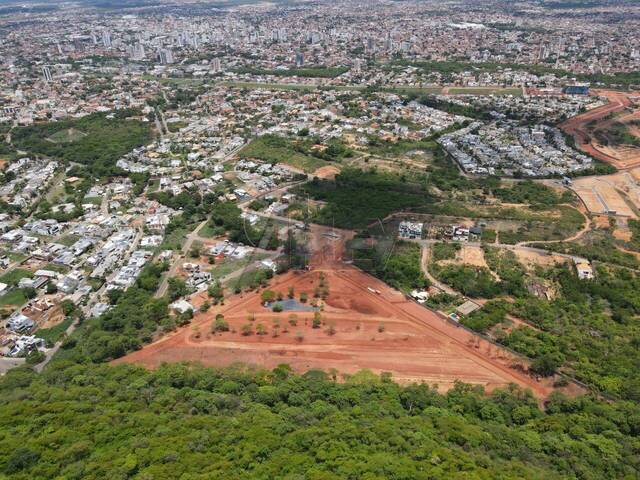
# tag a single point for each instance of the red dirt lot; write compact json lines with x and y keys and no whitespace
{"x":416,"y":345}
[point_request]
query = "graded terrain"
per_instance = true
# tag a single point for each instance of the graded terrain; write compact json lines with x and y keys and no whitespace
{"x":365,"y":324}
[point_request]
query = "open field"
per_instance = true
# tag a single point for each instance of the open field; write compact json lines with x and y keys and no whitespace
{"x":590,"y":127}
{"x":469,"y":255}
{"x":328,"y":172}
{"x":365,"y":324}
{"x":532,"y":259}
{"x":279,"y":150}
{"x":69,"y":135}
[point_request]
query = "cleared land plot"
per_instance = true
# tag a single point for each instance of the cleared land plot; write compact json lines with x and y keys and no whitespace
{"x":329,"y":172}
{"x":419,"y":161}
{"x":533,"y":259}
{"x":601,"y":194}
{"x":469,"y":255}
{"x":415,"y":344}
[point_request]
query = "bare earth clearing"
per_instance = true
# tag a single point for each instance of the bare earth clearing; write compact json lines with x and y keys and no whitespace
{"x":415,"y":344}
{"x":611,"y":194}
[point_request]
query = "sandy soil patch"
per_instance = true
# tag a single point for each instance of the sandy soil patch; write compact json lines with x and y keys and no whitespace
{"x":624,"y":235}
{"x":329,"y":172}
{"x":532,"y":259}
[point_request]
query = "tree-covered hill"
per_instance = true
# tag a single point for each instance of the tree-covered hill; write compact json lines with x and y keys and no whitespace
{"x":102,"y":422}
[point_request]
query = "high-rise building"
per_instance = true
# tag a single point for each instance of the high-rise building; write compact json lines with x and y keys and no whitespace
{"x":388,"y":43}
{"x":299,"y":59}
{"x":279,"y":35}
{"x":136,"y":52}
{"x":165,"y":56}
{"x":46,"y":73}
{"x":314,"y":37}
{"x":106,"y":38}
{"x":370,"y":45}
{"x":216,"y":65}
{"x":192,"y":41}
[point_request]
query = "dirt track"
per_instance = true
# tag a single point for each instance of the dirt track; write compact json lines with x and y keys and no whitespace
{"x":578,"y":126}
{"x":379,"y":330}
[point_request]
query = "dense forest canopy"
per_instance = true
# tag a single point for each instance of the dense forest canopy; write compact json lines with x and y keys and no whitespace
{"x":98,"y":422}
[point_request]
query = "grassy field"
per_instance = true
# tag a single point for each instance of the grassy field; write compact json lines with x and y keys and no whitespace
{"x":229,"y":265}
{"x":69,"y":135}
{"x":14,"y":298}
{"x":417,"y":90}
{"x":270,"y":86}
{"x":14,"y":276}
{"x":250,"y":278}
{"x":210,"y":230}
{"x":176,"y":238}
{"x":13,"y":256}
{"x":280,"y":150}
{"x":93,"y":200}
{"x":68,"y":240}
{"x":56,"y":193}
{"x":309,"y":72}
{"x":54,"y":267}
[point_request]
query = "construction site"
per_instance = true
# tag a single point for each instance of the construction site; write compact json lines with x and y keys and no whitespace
{"x":617,"y":194}
{"x":593,"y":130}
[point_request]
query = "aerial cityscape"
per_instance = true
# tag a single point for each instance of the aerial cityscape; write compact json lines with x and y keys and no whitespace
{"x":382,"y":239}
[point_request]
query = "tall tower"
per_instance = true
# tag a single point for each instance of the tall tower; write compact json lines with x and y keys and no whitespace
{"x":46,"y":74}
{"x":106,"y":38}
{"x":166,"y":56}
